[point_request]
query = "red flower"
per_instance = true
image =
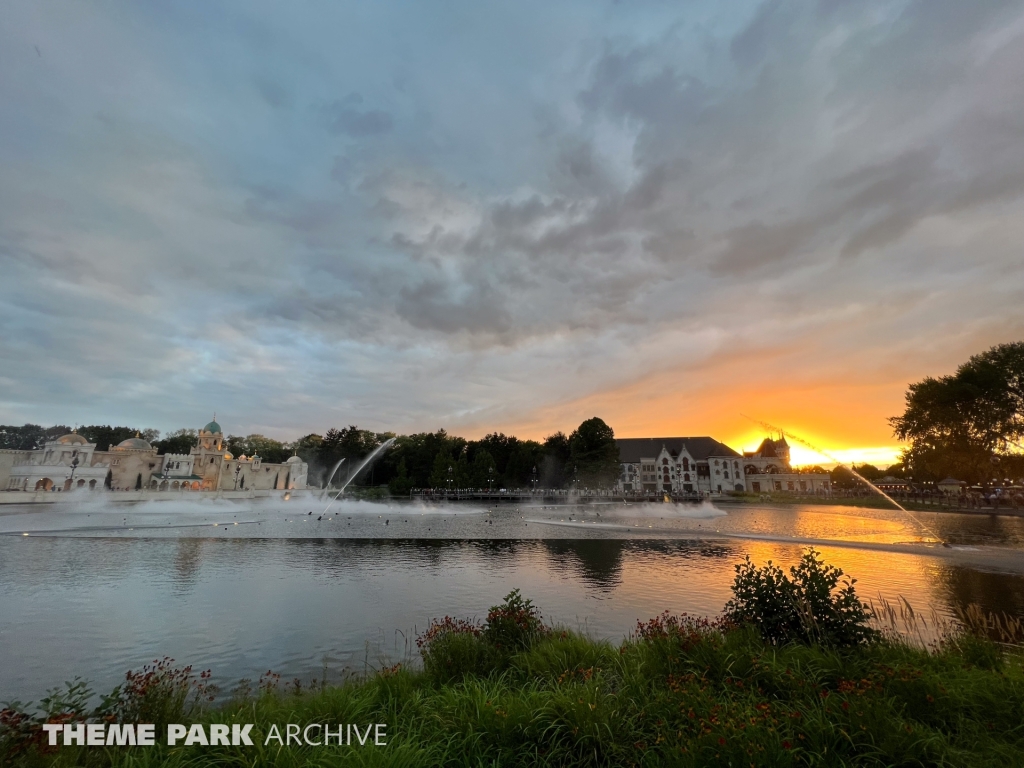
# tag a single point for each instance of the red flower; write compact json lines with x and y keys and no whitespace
{"x":786,"y":745}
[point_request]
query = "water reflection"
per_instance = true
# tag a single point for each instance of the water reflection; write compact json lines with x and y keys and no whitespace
{"x":187,"y":561}
{"x":285,"y":594}
{"x":991,"y":591}
{"x":597,"y":562}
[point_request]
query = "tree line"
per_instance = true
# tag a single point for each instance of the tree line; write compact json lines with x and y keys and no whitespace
{"x":588,"y":456}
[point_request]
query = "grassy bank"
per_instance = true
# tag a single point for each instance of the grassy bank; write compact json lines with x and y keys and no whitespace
{"x":678,"y":691}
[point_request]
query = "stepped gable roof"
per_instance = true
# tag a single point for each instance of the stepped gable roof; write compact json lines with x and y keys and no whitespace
{"x":633,"y":449}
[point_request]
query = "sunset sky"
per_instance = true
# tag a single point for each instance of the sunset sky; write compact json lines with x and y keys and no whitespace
{"x":515,"y":216}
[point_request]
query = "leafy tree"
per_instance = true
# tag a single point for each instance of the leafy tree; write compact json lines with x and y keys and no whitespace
{"x":519,"y":468}
{"x":484,"y":474}
{"x":555,"y":454}
{"x":401,"y":483}
{"x":29,"y":437}
{"x":965,"y":424}
{"x":179,"y":441}
{"x":270,"y":450}
{"x":594,"y":454}
{"x":106,"y":436}
{"x":462,"y":477}
{"x":500,"y":447}
{"x":419,"y":452}
{"x":440,"y":475}
{"x":351,"y":444}
{"x":306,"y":447}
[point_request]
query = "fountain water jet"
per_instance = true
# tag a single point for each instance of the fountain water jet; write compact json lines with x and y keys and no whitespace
{"x":851,"y":470}
{"x":331,"y":476}
{"x":373,"y":455}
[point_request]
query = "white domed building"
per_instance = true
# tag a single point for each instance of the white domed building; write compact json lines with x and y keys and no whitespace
{"x":210,"y":467}
{"x":71,"y":462}
{"x":68,"y":462}
{"x":132,"y":462}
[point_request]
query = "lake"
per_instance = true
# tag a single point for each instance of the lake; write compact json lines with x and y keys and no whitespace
{"x":97,"y":588}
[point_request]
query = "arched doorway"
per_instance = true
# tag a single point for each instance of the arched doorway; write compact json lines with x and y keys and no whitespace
{"x":175,"y":485}
{"x":92,"y":485}
{"x":81,"y":484}
{"x":46,"y":484}
{"x":195,"y":485}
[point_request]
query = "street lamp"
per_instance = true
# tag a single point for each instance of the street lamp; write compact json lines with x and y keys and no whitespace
{"x":238,"y":469}
{"x":74,"y":466}
{"x":490,"y":480}
{"x":449,"y":479}
{"x":533,"y":478}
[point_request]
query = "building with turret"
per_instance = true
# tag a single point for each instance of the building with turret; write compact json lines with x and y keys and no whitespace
{"x":209,"y":466}
{"x":767,"y":470}
{"x":72,"y":462}
{"x":703,"y":465}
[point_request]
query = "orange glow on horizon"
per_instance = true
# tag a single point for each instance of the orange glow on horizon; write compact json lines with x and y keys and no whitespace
{"x":843,"y":412}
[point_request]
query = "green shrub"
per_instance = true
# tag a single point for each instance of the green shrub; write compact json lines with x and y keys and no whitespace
{"x":514,"y":624}
{"x":807,"y":606}
{"x":453,"y":648}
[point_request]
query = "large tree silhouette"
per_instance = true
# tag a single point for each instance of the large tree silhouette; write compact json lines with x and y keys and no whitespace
{"x":969,"y":424}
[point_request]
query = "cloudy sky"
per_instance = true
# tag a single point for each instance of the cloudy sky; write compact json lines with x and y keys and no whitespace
{"x":505,"y":216}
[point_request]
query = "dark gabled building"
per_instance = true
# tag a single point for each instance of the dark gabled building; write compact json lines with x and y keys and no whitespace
{"x":679,"y":465}
{"x":703,"y":465}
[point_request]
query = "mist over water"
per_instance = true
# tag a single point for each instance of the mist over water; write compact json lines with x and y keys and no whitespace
{"x":242,"y":587}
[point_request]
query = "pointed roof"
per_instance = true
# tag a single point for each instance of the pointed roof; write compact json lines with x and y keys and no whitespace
{"x":633,"y":449}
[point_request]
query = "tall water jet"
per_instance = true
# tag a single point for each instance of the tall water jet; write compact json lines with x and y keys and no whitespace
{"x":331,"y":476}
{"x":366,"y":462}
{"x":849,"y":469}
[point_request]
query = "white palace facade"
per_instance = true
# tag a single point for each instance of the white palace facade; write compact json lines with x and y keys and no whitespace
{"x":702,"y":465}
{"x":71,"y":462}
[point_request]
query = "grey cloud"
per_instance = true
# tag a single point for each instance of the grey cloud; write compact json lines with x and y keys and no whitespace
{"x":757,"y":245}
{"x":345,"y":117}
{"x":545,"y":229}
{"x":276,"y":95}
{"x":284,"y":207}
{"x":430,"y":304}
{"x":752,"y":44}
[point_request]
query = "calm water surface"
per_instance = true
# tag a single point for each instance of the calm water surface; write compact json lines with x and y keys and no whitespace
{"x":95,"y":589}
